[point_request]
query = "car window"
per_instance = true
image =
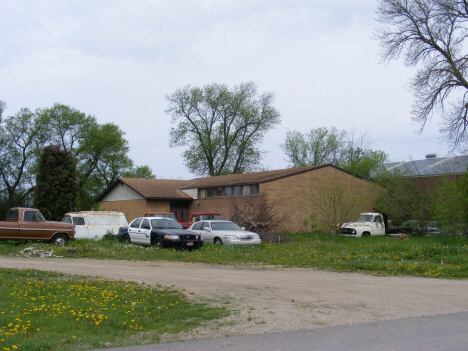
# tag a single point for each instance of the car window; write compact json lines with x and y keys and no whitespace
{"x":136,"y":223}
{"x":225,"y":226}
{"x":194,"y":218}
{"x":13,"y":215}
{"x":165,"y":224}
{"x":197,"y":226}
{"x":31,"y":216}
{"x":78,"y":221}
{"x":145,"y":224}
{"x":66,"y":219}
{"x":205,"y":225}
{"x":377,"y":219}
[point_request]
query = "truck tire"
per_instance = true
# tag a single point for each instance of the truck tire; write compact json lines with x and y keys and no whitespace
{"x":366,"y":234}
{"x":59,"y":239}
{"x":126,"y":239}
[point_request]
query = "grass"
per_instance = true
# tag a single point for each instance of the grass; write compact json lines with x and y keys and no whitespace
{"x":42,"y":311}
{"x":436,"y":256}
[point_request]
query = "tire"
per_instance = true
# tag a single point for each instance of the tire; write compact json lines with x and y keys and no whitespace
{"x":126,"y":239}
{"x":158,"y":243}
{"x":59,"y":239}
{"x":217,"y":241}
{"x":366,"y":234}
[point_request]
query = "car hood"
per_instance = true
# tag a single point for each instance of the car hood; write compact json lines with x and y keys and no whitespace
{"x":240,"y":233}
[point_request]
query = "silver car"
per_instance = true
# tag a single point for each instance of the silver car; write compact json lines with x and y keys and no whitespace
{"x":225,"y":233}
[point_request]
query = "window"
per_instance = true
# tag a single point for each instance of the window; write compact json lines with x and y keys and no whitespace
{"x":201,"y":193}
{"x":218,"y":192}
{"x":246,"y":190}
{"x":145,"y":224}
{"x":228,"y":191}
{"x":31,"y":216}
{"x":205,"y":225}
{"x":136,"y":223}
{"x":13,"y":215}
{"x":78,"y":221}
{"x":237,"y":191}
{"x":255,"y":189}
{"x":197,"y":226}
{"x":210,"y":192}
{"x":66,"y":219}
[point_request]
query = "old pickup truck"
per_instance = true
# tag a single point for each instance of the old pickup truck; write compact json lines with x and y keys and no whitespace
{"x":29,"y":224}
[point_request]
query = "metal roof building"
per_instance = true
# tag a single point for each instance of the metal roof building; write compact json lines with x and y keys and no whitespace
{"x":432,"y":165}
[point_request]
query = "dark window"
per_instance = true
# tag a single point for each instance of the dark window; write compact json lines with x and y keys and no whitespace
{"x":255,"y":189}
{"x":237,"y":191}
{"x":197,"y":226}
{"x":30,"y":216}
{"x":210,"y":192}
{"x":78,"y":221}
{"x":13,"y":215}
{"x":205,"y":225}
{"x":377,"y":219}
{"x":228,"y":191}
{"x":136,"y":223}
{"x":218,"y":192}
{"x":145,"y":224}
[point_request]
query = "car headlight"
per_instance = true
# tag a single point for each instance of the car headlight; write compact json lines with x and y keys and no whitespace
{"x":171,"y":237}
{"x":230,"y":237}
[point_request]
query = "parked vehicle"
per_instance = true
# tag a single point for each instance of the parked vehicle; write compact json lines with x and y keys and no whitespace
{"x":161,"y":215}
{"x":200,"y":216}
{"x":225,"y":233}
{"x":368,"y":224}
{"x":161,"y":232}
{"x":29,"y":224}
{"x":95,"y":224}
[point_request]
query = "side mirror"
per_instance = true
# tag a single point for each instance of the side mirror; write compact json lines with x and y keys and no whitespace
{"x":207,"y":229}
{"x":243,"y":228}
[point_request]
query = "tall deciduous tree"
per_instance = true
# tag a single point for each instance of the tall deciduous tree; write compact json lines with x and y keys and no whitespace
{"x":431,"y":34}
{"x":56,"y":188}
{"x":221,"y":127}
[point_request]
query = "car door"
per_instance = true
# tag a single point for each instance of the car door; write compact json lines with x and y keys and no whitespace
{"x":207,"y":234}
{"x":197,"y":228}
{"x":82,"y":229}
{"x":145,"y":231}
{"x":33,"y":226}
{"x":377,"y":226}
{"x":134,"y":231}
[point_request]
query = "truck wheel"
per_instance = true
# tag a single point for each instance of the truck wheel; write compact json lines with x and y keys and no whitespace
{"x":218,"y":241}
{"x":158,"y":243}
{"x":59,"y":239}
{"x":126,"y":239}
{"x":366,"y":234}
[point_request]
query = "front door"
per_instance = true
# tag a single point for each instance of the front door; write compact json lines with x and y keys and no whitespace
{"x":180,"y":210}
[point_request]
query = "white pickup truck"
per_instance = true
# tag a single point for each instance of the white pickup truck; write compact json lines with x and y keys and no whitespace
{"x":368,"y":224}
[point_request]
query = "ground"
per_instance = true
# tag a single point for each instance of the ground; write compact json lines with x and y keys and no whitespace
{"x":273,"y":299}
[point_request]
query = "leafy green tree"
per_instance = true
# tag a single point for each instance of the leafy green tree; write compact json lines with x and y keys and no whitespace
{"x":431,"y":34}
{"x":141,"y":172}
{"x":331,"y":146}
{"x":56,"y":188}
{"x":21,"y":138}
{"x":221,"y":128}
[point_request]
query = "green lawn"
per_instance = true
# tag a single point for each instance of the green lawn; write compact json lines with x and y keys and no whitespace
{"x":419,"y":256}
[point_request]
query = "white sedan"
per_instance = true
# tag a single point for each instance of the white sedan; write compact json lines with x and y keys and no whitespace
{"x":225,"y":233}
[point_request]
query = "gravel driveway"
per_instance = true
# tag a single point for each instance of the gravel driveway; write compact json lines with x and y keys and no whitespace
{"x":272,"y":299}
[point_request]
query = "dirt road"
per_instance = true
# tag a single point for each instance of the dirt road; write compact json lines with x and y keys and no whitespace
{"x":271,"y":299}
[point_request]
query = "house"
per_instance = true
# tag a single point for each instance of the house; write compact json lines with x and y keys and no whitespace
{"x":282,"y":188}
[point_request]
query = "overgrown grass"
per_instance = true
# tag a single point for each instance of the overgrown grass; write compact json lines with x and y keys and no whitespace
{"x":419,"y":256}
{"x":42,"y":311}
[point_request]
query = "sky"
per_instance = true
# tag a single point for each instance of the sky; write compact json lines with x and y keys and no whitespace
{"x":118,"y":60}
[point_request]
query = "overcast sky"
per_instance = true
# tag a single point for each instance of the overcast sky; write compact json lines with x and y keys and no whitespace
{"x":117,"y":60}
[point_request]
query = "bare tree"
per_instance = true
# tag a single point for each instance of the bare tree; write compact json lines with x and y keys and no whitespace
{"x":431,"y":33}
{"x":328,"y":204}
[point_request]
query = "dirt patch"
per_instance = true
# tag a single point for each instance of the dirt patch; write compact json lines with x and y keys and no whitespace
{"x":272,"y":299}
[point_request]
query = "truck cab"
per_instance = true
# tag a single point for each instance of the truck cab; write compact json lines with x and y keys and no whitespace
{"x":368,"y":224}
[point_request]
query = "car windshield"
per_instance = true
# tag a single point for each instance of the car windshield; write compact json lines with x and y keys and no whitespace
{"x":224,"y":226}
{"x":365,"y":218}
{"x":207,"y":217}
{"x":165,"y":224}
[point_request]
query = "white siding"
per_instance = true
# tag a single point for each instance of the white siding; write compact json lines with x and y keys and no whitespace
{"x":122,"y":192}
{"x":191,"y":192}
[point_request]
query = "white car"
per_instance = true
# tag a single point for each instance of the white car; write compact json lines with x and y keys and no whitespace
{"x":225,"y":233}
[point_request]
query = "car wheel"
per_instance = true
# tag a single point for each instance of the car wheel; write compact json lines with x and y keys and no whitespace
{"x":126,"y":239}
{"x":366,"y":234}
{"x":158,"y":242}
{"x":218,"y":241}
{"x":59,"y":239}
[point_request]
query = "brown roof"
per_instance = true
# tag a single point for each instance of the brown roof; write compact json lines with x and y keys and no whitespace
{"x":170,"y":188}
{"x":247,"y":178}
{"x":158,"y":188}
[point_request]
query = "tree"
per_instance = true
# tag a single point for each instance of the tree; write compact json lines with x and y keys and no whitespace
{"x":329,"y":203}
{"x":339,"y":148}
{"x":56,"y":189}
{"x":319,"y":146}
{"x":431,"y":33}
{"x":21,"y":138}
{"x":141,"y":172}
{"x":221,"y":128}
